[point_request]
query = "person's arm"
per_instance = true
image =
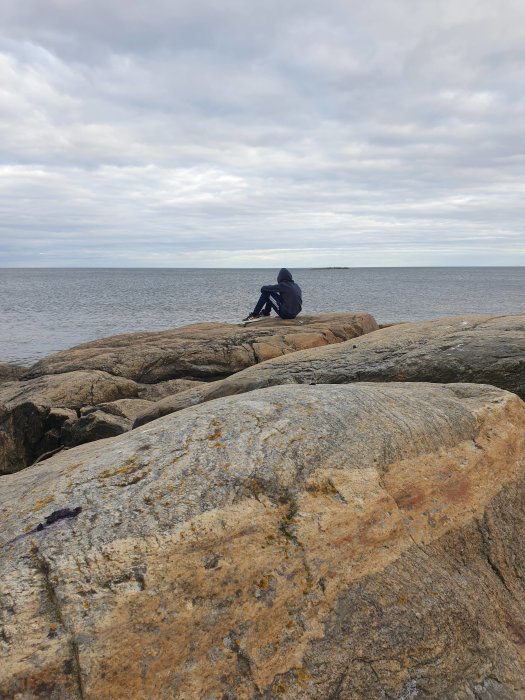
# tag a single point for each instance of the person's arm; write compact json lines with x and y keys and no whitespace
{"x":272,"y":288}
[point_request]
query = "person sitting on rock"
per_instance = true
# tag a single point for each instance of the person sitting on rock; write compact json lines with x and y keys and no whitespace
{"x":285,"y":298}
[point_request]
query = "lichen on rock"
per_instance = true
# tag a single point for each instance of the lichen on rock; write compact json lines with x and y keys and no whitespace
{"x":352,"y":541}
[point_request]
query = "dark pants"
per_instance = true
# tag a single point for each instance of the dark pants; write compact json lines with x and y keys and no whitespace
{"x":267,"y":302}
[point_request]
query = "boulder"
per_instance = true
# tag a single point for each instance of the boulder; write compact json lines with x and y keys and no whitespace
{"x":32,"y":411}
{"x":93,"y":426}
{"x":170,"y":387}
{"x":481,"y":349}
{"x":344,"y":541}
{"x":205,"y":350}
{"x":126,"y":408}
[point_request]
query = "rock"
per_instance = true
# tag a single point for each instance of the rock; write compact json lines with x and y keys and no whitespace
{"x":345,"y":541}
{"x":31,"y":411}
{"x":86,"y":410}
{"x":10,"y":372}
{"x":70,"y":390}
{"x":126,"y":408}
{"x":58,"y":416}
{"x":481,"y":349}
{"x":93,"y":426}
{"x":155,"y":392}
{"x":78,"y":378}
{"x":205,"y":350}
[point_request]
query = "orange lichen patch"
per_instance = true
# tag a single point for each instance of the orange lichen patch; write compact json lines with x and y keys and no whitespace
{"x":73,"y":467}
{"x":128,"y":468}
{"x":135,"y":479}
{"x":253,"y":487}
{"x":42,"y":502}
{"x":264,"y":583}
{"x":280,"y":688}
{"x":302,"y":676}
{"x":216,"y":434}
{"x":322,"y":488}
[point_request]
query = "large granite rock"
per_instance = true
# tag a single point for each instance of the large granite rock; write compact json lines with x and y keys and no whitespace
{"x":481,"y":349}
{"x":32,"y":411}
{"x":91,"y":376}
{"x":204,"y":350}
{"x":358,"y":541}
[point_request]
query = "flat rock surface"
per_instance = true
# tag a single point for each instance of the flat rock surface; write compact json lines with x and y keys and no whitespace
{"x":351,"y":541}
{"x":204,"y":350}
{"x":481,"y":349}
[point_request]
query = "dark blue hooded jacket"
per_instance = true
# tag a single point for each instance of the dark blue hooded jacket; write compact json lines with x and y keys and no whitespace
{"x":291,"y":295}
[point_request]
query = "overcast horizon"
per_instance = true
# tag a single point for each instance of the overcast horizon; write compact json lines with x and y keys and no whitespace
{"x":259,"y":135}
{"x":248,"y":267}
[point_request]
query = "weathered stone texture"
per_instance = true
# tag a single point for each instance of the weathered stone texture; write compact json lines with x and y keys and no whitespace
{"x":204,"y":350}
{"x":9,"y":372}
{"x":96,"y":425}
{"x":31,"y":415}
{"x":358,"y":541}
{"x":481,"y":349}
{"x":92,"y":376}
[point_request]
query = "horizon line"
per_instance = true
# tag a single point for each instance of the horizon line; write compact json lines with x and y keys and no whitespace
{"x":265,"y":267}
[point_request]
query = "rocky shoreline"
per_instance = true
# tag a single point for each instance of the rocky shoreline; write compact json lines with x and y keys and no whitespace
{"x":96,"y":390}
{"x":320,"y":509}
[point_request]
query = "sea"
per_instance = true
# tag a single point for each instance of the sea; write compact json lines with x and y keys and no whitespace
{"x":43,"y":310}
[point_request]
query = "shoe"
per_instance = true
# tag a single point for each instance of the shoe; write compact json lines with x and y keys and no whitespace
{"x":265,"y":313}
{"x":251,"y":317}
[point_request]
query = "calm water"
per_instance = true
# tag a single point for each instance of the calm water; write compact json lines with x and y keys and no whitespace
{"x":45,"y":310}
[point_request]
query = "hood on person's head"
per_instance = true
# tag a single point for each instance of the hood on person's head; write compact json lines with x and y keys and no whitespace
{"x":284,"y":275}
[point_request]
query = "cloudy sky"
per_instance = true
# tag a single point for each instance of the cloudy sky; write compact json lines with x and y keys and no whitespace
{"x":246,"y":133}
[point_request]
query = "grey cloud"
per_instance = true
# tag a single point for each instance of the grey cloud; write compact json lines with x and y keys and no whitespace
{"x":198,"y":131}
